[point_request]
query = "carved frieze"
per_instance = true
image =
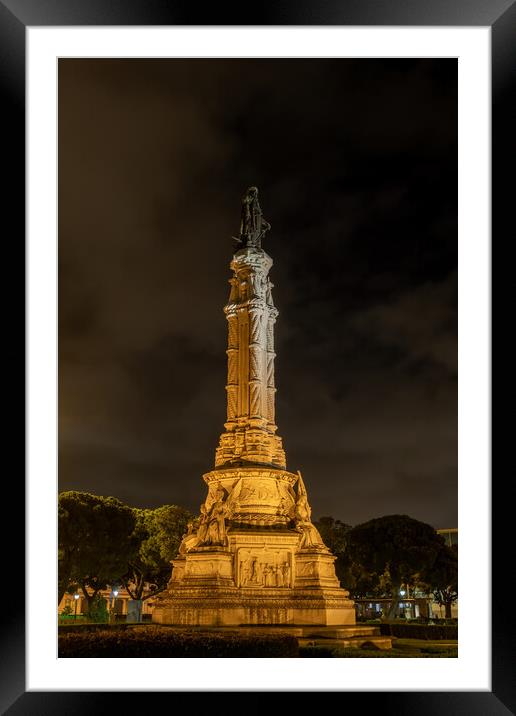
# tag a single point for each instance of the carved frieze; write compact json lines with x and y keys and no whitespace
{"x":198,"y":600}
{"x":264,"y":568}
{"x":256,"y":491}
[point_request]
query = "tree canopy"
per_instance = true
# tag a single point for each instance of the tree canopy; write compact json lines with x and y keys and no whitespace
{"x":442,"y":578}
{"x":333,"y":533}
{"x":159,"y":534}
{"x":104,"y":542}
{"x":96,"y":540}
{"x":398,"y":549}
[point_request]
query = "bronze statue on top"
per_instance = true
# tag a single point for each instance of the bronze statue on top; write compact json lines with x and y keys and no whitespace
{"x":252,"y":224}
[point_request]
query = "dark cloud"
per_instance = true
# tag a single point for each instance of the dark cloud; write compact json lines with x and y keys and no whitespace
{"x":356,"y":161}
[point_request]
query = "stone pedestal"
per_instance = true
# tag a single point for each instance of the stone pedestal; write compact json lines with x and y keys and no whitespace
{"x":260,"y":574}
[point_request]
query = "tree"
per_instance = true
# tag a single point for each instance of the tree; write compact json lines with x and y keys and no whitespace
{"x":159,"y":533}
{"x":333,"y":533}
{"x":399,"y":547}
{"x":443,"y":578}
{"x":363,"y":583}
{"x":96,"y":540}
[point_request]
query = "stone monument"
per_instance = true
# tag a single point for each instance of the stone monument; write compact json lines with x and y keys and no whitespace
{"x":253,"y":556}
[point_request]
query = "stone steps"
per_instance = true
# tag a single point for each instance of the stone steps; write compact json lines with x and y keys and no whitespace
{"x":356,"y":636}
{"x":340,"y":632}
{"x":347,"y":636}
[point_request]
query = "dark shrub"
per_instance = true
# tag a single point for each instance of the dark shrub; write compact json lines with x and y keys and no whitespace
{"x":419,"y":631}
{"x":156,"y":641}
{"x":325,"y":652}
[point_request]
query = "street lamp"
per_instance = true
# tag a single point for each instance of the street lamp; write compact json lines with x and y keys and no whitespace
{"x":115,"y":595}
{"x":76,"y":598}
{"x":402,"y":606}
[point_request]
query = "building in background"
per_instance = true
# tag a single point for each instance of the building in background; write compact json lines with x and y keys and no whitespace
{"x":414,"y":607}
{"x":118,"y":600}
{"x":451,"y":536}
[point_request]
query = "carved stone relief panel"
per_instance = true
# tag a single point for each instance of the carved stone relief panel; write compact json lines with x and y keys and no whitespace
{"x":264,"y":567}
{"x":307,"y":569}
{"x":208,"y":567}
{"x":256,"y":491}
{"x":178,"y":570}
{"x":287,"y":502}
{"x":198,"y":568}
{"x":327,"y":569}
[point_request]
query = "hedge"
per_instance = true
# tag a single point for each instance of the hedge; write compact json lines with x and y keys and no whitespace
{"x":156,"y":641}
{"x":419,"y":631}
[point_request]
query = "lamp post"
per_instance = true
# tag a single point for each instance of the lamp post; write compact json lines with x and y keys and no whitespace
{"x":76,"y":599}
{"x":402,"y":605}
{"x":115,"y":595}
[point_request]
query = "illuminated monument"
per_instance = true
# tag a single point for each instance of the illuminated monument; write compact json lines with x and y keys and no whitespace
{"x":253,"y":555}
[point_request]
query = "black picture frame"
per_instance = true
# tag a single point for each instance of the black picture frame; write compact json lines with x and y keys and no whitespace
{"x":15,"y":17}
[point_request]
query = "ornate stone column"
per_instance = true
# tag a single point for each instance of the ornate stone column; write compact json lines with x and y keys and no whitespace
{"x":250,"y":312}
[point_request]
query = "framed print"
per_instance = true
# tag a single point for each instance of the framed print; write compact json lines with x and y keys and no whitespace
{"x":44,"y":47}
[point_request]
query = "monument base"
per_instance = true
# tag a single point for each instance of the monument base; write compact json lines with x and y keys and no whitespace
{"x":255,"y":559}
{"x":228,"y":607}
{"x":254,"y":581}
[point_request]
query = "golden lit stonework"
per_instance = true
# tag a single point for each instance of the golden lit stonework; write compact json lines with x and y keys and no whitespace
{"x":250,"y":312}
{"x":253,"y":556}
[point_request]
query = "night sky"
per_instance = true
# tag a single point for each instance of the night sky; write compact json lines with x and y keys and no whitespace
{"x":356,"y":162}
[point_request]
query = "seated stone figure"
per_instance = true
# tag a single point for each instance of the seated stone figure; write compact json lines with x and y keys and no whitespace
{"x":311,"y":539}
{"x":310,"y":536}
{"x":190,"y":538}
